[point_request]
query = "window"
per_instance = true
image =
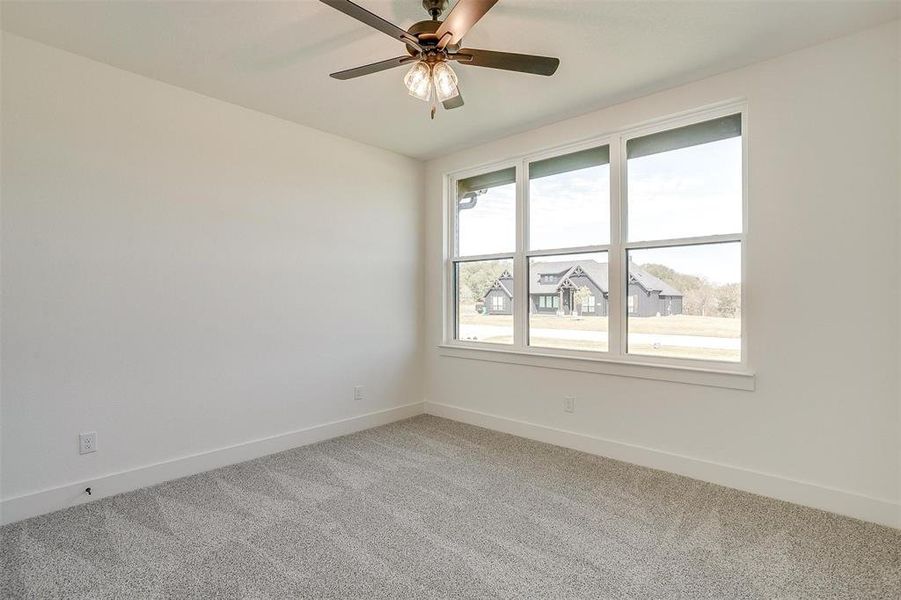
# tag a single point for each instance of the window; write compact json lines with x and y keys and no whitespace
{"x":630,"y":247}
{"x":484,"y":241}
{"x":549,"y":302}
{"x":588,"y":304}
{"x":684,"y":215}
{"x":569,"y":200}
{"x":700,"y":319}
{"x":568,"y":213}
{"x":486,"y":214}
{"x":477,"y":283}
{"x":578,"y":277}
{"x":545,"y":301}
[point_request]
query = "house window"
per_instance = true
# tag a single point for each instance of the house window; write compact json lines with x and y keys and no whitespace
{"x":548,"y":301}
{"x":656,"y":211}
{"x":497,"y":303}
{"x":588,"y":304}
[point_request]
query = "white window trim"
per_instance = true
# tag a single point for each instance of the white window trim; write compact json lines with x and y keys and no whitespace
{"x":615,"y":361}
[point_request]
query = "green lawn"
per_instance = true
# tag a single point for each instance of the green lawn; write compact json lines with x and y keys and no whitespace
{"x":673,"y":325}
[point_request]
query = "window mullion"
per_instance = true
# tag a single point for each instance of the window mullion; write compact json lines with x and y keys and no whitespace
{"x":570,"y":250}
{"x":686,"y":241}
{"x":483,"y":257}
{"x":616,"y":326}
{"x":520,"y":266}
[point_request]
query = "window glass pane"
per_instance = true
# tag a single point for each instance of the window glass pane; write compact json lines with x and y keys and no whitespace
{"x":687,"y":302}
{"x":486,"y":213}
{"x":569,"y":200}
{"x":568,"y":301}
{"x":686,"y":182}
{"x":485,"y":301}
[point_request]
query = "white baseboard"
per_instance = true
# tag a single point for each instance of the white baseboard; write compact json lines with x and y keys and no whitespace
{"x":876,"y":510}
{"x":64,"y":496}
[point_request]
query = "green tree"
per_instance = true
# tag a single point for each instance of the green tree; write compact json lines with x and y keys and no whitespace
{"x":729,"y":300}
{"x":700,"y":301}
{"x":700,"y":297}
{"x":680,"y":281}
{"x":476,"y":278}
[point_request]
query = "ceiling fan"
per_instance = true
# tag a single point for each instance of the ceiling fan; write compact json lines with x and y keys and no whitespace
{"x":433,"y":44}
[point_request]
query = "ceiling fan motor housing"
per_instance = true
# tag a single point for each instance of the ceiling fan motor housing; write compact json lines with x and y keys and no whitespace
{"x":424,"y":31}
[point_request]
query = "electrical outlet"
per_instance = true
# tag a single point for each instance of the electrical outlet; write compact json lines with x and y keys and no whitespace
{"x":569,"y":404}
{"x":87,"y":442}
{"x":358,"y":392}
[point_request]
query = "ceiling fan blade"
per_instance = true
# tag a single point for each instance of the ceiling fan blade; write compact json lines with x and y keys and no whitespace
{"x":373,"y":68}
{"x":524,"y":63}
{"x":455,"y":102}
{"x":376,"y":22}
{"x":460,"y":20}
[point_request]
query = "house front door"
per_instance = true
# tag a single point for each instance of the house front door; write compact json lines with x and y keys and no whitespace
{"x":567,"y":302}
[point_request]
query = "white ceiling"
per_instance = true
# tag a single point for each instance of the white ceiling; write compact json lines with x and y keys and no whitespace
{"x":275,"y":57}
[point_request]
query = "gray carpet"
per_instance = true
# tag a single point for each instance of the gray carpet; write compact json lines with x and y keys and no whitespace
{"x":430,"y":508}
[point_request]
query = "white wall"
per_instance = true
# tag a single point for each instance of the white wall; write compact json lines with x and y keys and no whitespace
{"x":822,"y":428}
{"x":182,"y":275}
{"x":162,"y":285}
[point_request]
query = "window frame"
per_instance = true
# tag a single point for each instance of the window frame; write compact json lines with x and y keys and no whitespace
{"x":617,"y":249}
{"x":591,"y":301}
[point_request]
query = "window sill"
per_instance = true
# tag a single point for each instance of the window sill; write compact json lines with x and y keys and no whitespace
{"x":722,"y":378}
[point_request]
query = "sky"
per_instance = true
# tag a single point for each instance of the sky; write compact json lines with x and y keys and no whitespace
{"x":572,"y":209}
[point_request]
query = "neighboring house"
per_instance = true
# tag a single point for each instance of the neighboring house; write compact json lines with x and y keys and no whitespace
{"x":498,"y":300}
{"x":553,"y":289}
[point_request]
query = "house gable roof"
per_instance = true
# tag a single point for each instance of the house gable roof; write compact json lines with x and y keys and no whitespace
{"x":564,"y":270}
{"x":651,"y":283}
{"x":500,"y":284}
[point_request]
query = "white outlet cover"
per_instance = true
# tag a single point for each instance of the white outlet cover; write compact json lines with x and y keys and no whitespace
{"x":358,"y":392}
{"x":569,"y":404}
{"x":87,"y":442}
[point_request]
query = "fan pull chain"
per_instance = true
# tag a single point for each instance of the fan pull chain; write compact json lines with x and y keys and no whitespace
{"x":434,"y":96}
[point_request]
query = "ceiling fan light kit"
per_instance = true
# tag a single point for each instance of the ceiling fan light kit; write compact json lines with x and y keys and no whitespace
{"x":419,"y":81}
{"x":422,"y":78}
{"x":432,"y":44}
